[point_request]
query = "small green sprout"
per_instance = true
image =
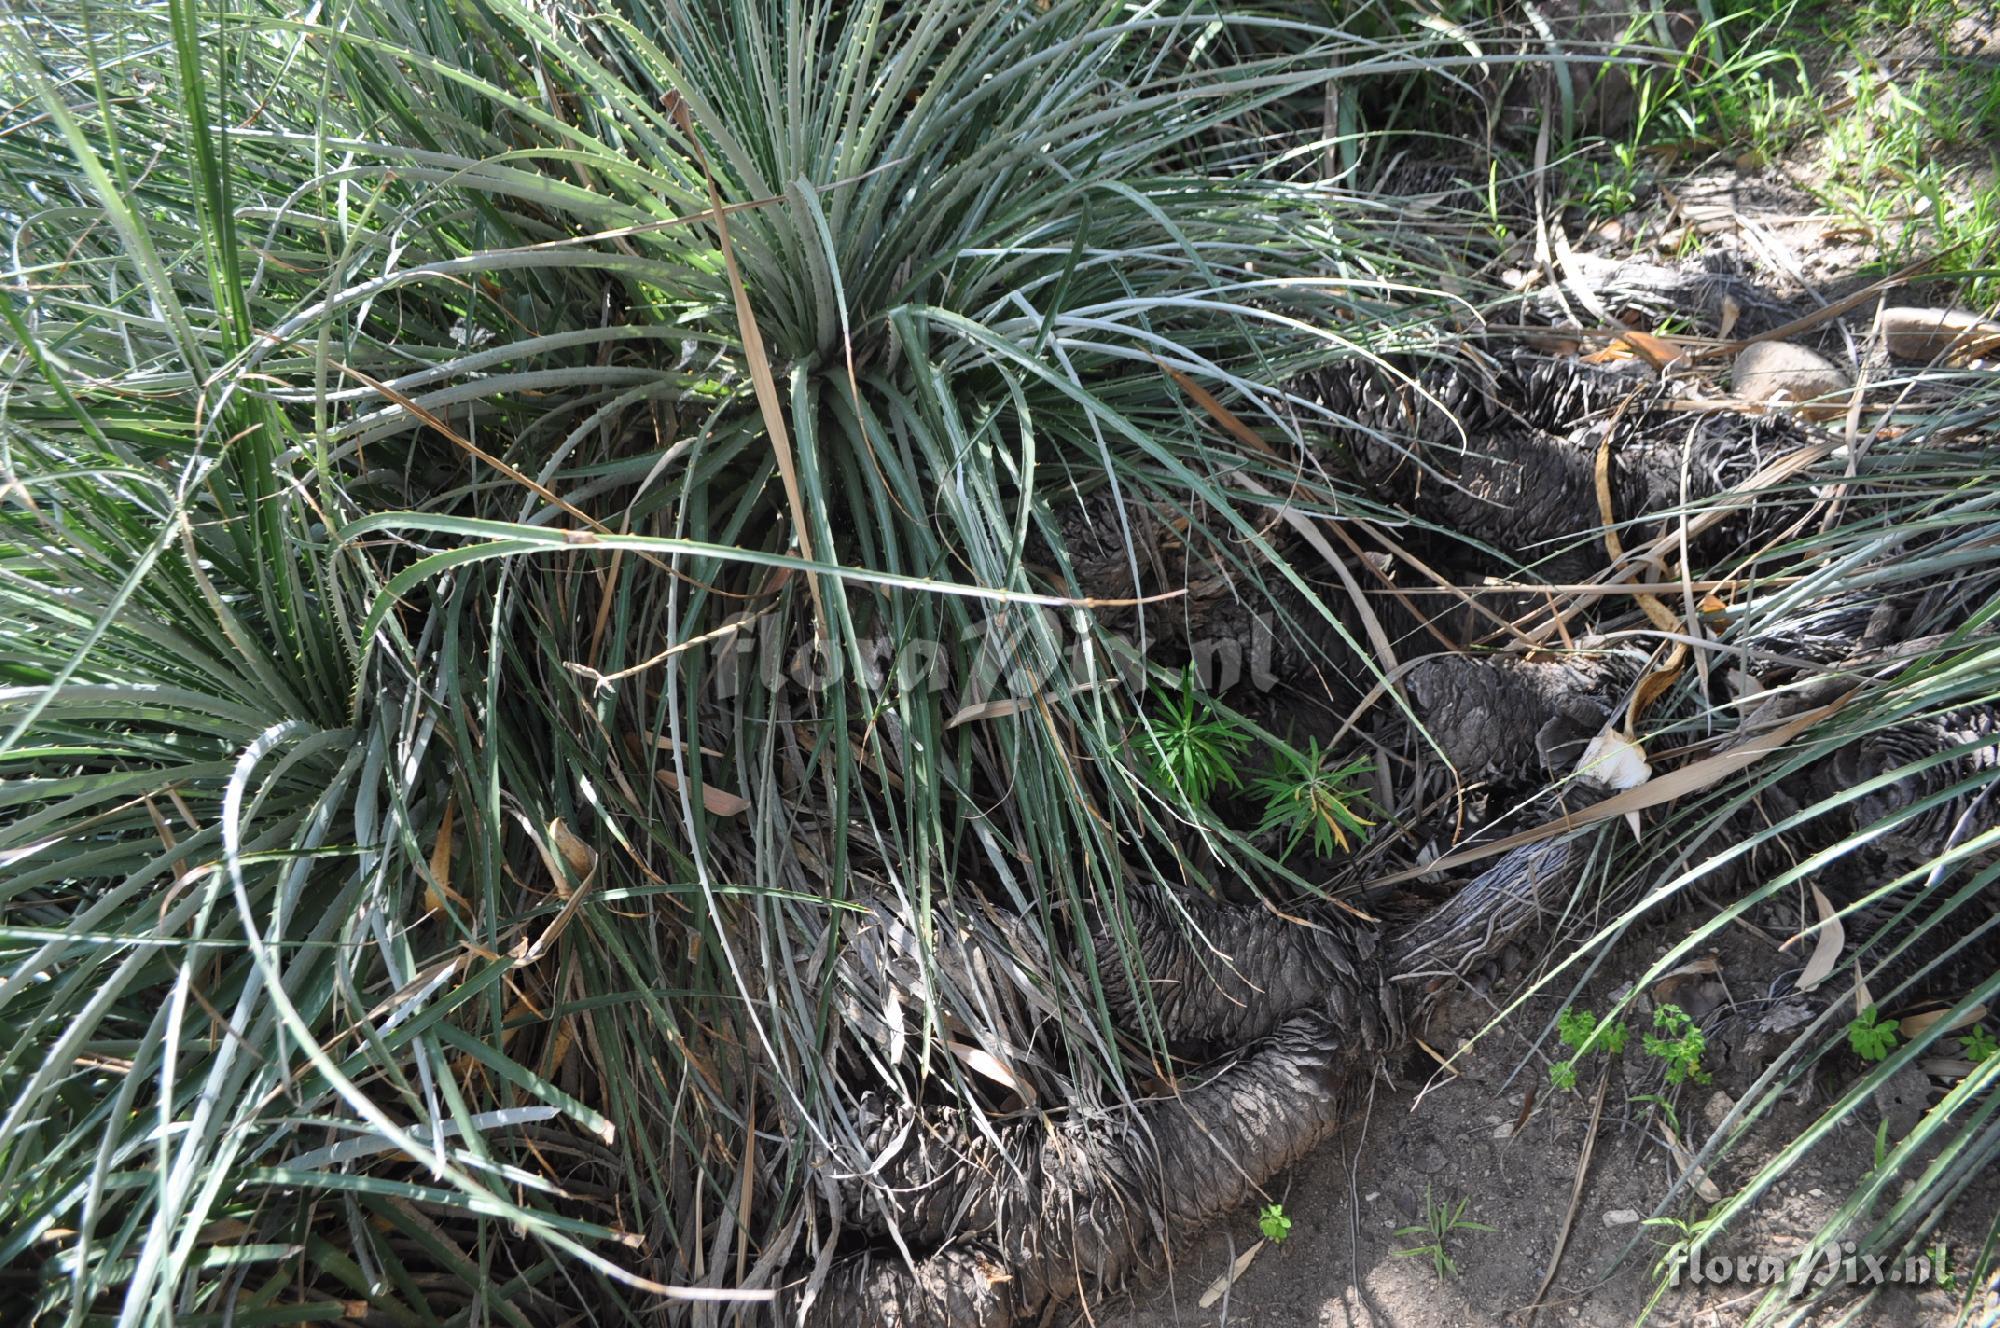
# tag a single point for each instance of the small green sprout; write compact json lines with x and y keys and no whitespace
{"x":1191,"y":747}
{"x":1871,"y":1036}
{"x":1941,"y":1267}
{"x":1580,"y":1029}
{"x":1679,"y":1042}
{"x":1274,"y":1224}
{"x":1301,"y":795}
{"x":1441,"y":1221}
{"x":1977,"y":1045}
{"x":1583,"y":1033}
{"x":1664,"y":1107}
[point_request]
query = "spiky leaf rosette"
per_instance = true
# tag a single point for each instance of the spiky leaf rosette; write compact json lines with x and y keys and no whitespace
{"x":467,"y":468}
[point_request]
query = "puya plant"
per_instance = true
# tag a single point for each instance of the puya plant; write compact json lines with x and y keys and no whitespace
{"x":1190,"y":746}
{"x":1304,"y":798}
{"x":419,"y":417}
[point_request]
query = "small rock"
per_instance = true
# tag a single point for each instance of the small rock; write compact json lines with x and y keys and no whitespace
{"x":1702,"y":999}
{"x":1621,"y":1217}
{"x":1913,"y":333}
{"x":1716,"y":1110}
{"x":1902,"y":1099}
{"x":1768,"y":370}
{"x":1742,"y":683}
{"x":1783,"y":1016}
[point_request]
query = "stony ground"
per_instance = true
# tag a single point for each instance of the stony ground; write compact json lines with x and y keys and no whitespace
{"x":1460,"y":1137}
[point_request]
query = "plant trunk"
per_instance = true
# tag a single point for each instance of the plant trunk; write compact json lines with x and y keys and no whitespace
{"x":1060,"y":1212}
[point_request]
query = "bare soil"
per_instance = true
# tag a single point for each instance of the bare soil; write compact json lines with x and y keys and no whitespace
{"x":1454,"y":1136}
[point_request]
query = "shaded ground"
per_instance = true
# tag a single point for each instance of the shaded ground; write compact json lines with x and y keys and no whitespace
{"x":1454,"y":1136}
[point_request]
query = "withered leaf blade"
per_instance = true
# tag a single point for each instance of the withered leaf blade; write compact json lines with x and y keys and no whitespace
{"x":986,"y":710}
{"x":1826,"y":950}
{"x":715,"y":801}
{"x":1228,"y":1279}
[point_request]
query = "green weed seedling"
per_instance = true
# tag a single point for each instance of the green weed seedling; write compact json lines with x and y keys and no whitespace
{"x":1977,"y":1045}
{"x":1872,"y":1037}
{"x":1274,"y":1224}
{"x":1682,"y":1237}
{"x":1678,"y":1042}
{"x":1583,"y":1033}
{"x":1660,"y":1104}
{"x":1441,"y":1222}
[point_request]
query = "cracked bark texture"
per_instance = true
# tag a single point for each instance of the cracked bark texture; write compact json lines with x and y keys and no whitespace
{"x":1220,"y":975}
{"x":1064,"y":1211}
{"x":1653,"y":292}
{"x":1236,"y":631}
{"x":1060,"y":1211}
{"x":1499,"y":452}
{"x":1512,"y":719}
{"x":1123,"y":546}
{"x":1068,"y":1210}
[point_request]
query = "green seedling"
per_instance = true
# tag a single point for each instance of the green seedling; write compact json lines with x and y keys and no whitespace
{"x":1274,"y":1224}
{"x":1678,"y":1042}
{"x":1441,"y":1222}
{"x":1871,"y":1036}
{"x":1682,"y":1235}
{"x":1977,"y":1045}
{"x":1583,"y":1033}
{"x":1580,"y":1029}
{"x":1664,"y":1107}
{"x":1303,"y":797}
{"x":1190,"y":746}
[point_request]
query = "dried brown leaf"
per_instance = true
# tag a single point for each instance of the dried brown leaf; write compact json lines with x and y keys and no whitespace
{"x":715,"y":801}
{"x":1228,"y":1279}
{"x":1826,"y":950}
